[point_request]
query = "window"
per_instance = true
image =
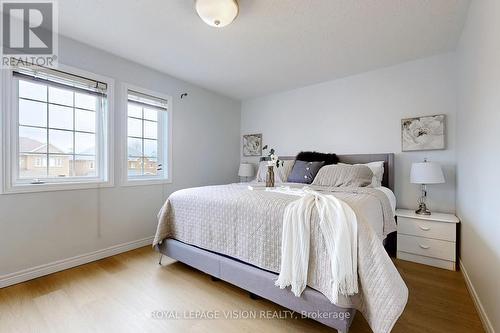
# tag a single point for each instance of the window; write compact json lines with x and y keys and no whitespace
{"x":58,"y":129}
{"x":148,"y":121}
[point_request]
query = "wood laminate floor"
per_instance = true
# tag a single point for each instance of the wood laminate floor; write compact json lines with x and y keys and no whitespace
{"x":123,"y":293}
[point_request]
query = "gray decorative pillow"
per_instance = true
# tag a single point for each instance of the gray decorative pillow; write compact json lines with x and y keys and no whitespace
{"x":344,"y":175}
{"x":304,"y":172}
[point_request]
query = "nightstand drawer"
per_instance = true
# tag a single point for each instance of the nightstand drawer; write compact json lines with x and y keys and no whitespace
{"x":428,"y":229}
{"x":427,"y":247}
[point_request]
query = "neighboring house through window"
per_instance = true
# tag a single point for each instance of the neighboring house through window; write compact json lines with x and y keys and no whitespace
{"x":148,"y":128}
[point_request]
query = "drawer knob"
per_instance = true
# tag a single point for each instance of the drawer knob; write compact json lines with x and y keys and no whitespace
{"x":424,"y":228}
{"x":425,"y":247}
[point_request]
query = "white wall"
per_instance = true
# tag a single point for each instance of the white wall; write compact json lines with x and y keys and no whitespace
{"x":362,"y":114}
{"x":479,"y":154}
{"x":39,"y":228}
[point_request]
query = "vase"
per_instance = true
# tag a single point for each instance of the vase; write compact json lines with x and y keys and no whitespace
{"x":270,"y":176}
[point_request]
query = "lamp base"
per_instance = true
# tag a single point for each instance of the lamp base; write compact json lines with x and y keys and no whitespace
{"x":422,"y":210}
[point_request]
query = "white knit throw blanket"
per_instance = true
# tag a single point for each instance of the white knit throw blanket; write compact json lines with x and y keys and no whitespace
{"x":338,"y":225}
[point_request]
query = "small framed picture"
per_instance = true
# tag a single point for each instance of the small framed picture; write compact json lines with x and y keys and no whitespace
{"x":252,"y":145}
{"x":423,"y":133}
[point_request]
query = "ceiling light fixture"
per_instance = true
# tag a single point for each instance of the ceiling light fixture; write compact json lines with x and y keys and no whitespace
{"x":217,"y":13}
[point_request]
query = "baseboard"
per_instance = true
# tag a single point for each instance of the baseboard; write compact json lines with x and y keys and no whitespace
{"x":60,"y":265}
{"x":488,"y":327}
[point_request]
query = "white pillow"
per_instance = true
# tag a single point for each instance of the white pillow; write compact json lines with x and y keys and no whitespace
{"x":378,"y":172}
{"x":280,"y":174}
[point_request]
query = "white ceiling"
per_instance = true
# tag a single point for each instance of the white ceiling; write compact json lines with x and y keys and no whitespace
{"x":273,"y":45}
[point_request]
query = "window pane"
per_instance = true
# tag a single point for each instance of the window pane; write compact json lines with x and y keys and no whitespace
{"x":150,"y":114}
{"x":85,"y":166}
{"x":32,"y":139}
{"x":143,"y":137}
{"x":84,"y":121}
{"x":60,"y":117}
{"x":60,"y":165}
{"x":150,"y":129}
{"x":60,"y":142}
{"x":134,"y":166}
{"x":58,"y":131}
{"x":134,"y":127}
{"x":150,"y":148}
{"x":150,"y":166}
{"x":32,"y":166}
{"x":85,"y":143}
{"x":32,"y":90}
{"x":85,"y":101}
{"x":60,"y":96}
{"x":134,"y":110}
{"x":32,"y":113}
{"x":134,"y":147}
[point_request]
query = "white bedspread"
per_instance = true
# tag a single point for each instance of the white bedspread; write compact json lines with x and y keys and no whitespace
{"x":247,"y":225}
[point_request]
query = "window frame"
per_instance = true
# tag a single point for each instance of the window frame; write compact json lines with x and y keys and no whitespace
{"x":167,"y":157}
{"x":10,"y":141}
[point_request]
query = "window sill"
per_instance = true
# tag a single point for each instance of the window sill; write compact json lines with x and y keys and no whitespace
{"x":145,"y":182}
{"x":48,"y":187}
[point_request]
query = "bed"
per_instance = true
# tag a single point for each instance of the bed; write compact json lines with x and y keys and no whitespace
{"x":218,"y":230}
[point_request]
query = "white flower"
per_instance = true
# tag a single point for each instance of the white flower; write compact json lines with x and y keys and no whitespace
{"x":272,"y":159}
{"x":421,"y":131}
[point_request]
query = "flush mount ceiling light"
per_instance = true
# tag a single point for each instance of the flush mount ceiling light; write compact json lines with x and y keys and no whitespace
{"x":217,"y":13}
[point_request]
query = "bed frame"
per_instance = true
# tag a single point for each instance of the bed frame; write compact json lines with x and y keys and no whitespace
{"x":259,"y":282}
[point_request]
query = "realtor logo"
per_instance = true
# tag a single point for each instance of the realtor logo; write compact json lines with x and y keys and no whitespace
{"x":29,"y":32}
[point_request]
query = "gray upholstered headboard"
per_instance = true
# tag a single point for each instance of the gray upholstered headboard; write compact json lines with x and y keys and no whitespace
{"x":388,"y":159}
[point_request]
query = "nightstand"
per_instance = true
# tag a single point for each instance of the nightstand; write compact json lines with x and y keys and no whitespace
{"x":427,"y":239}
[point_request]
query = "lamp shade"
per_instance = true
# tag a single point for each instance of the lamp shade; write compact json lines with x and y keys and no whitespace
{"x":246,"y":170}
{"x":426,"y":173}
{"x":217,"y":13}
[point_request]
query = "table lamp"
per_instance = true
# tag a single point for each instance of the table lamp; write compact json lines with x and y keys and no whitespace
{"x":425,"y":173}
{"x":246,"y":170}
